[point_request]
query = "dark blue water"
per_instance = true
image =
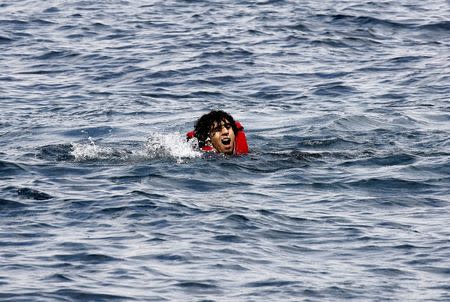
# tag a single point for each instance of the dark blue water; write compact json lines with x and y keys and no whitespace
{"x":344,"y":196}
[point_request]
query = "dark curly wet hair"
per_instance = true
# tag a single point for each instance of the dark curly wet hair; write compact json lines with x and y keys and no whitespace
{"x":205,"y":123}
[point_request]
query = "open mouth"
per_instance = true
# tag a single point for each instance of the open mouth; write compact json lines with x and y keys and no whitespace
{"x":225,"y":141}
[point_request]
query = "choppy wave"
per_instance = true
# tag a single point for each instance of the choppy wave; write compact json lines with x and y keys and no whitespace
{"x":158,"y":146}
{"x":344,"y":194}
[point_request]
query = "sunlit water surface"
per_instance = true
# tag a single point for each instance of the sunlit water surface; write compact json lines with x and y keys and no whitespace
{"x":344,"y":196}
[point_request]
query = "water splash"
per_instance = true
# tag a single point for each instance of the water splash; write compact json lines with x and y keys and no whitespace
{"x":157,"y":146}
{"x":91,"y":151}
{"x":173,"y":145}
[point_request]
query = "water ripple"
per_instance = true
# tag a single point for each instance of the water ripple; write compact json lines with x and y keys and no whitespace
{"x":345,"y":109}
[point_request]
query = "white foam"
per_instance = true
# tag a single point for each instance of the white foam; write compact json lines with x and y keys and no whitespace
{"x":91,"y":151}
{"x":173,"y":145}
{"x":170,"y":146}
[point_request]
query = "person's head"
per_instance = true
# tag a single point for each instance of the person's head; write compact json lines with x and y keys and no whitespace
{"x":218,"y":128}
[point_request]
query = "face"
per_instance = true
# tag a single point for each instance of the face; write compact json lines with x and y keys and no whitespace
{"x":222,"y":137}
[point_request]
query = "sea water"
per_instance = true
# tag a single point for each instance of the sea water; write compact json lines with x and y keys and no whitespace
{"x":344,"y":195}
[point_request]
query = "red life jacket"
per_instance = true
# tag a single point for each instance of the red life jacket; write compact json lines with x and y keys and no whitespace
{"x":240,"y":140}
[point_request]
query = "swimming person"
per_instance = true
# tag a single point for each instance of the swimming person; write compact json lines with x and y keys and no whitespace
{"x":217,"y":131}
